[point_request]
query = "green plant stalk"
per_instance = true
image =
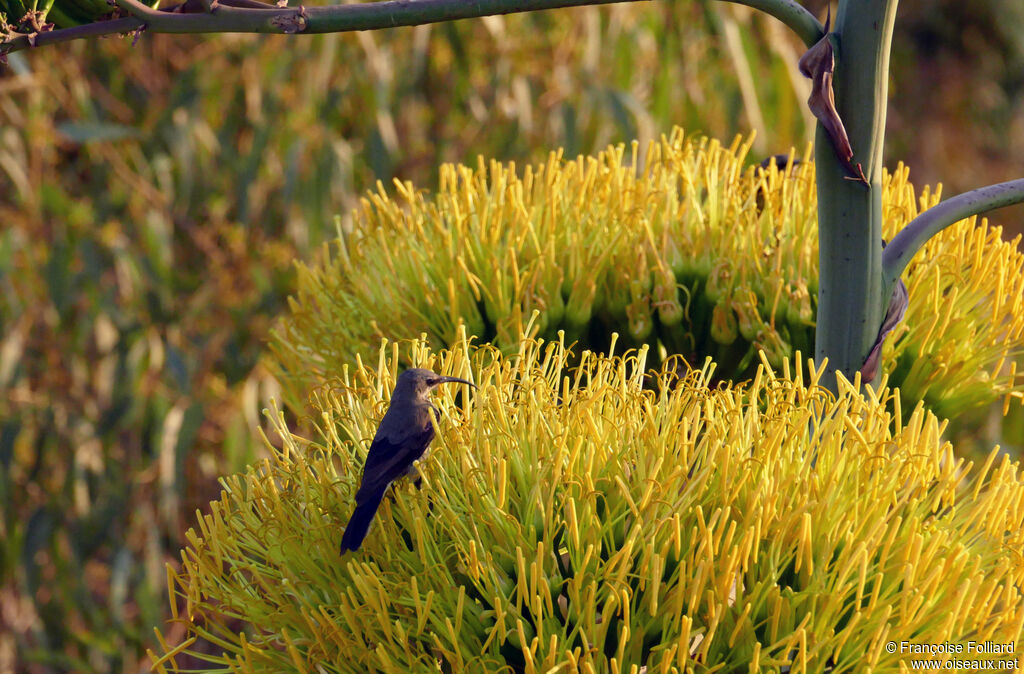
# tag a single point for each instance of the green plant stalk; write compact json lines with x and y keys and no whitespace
{"x":851,"y":301}
{"x":916,"y":233}
{"x":228,"y":18}
{"x":791,"y":13}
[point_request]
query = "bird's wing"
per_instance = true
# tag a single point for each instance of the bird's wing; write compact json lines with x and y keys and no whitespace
{"x":391,"y":456}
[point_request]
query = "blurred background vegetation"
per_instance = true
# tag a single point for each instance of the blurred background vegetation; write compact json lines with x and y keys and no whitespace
{"x":153,"y":198}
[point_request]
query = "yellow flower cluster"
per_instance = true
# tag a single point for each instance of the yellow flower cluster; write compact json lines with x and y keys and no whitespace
{"x":601,"y":517}
{"x":681,"y":246}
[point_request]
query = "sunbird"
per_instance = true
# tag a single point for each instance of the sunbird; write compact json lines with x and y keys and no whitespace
{"x":403,"y":436}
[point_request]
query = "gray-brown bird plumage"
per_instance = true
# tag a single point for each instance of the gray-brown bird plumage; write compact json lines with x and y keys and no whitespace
{"x":402,"y":437}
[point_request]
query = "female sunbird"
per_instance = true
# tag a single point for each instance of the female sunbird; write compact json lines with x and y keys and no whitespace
{"x":402,"y":437}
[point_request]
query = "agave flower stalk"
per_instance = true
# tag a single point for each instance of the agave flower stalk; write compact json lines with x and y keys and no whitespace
{"x":851,"y":302}
{"x":855,"y":290}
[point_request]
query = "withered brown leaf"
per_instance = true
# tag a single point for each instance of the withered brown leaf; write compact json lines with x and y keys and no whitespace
{"x":817,"y":64}
{"x":898,"y":304}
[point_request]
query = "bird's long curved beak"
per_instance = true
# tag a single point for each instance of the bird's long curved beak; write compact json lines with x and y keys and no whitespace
{"x":451,"y":380}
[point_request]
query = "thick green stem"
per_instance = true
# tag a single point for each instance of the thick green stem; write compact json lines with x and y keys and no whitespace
{"x":851,"y":301}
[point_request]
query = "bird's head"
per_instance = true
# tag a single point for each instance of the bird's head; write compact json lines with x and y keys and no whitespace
{"x":417,"y":382}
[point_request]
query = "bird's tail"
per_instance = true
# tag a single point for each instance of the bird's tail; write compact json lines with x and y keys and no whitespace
{"x":359,"y":523}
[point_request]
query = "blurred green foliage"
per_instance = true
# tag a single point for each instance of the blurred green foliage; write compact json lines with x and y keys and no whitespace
{"x":152,"y":198}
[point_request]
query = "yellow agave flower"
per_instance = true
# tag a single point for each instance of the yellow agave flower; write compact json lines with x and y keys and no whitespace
{"x":601,"y":518}
{"x":682,"y":246}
